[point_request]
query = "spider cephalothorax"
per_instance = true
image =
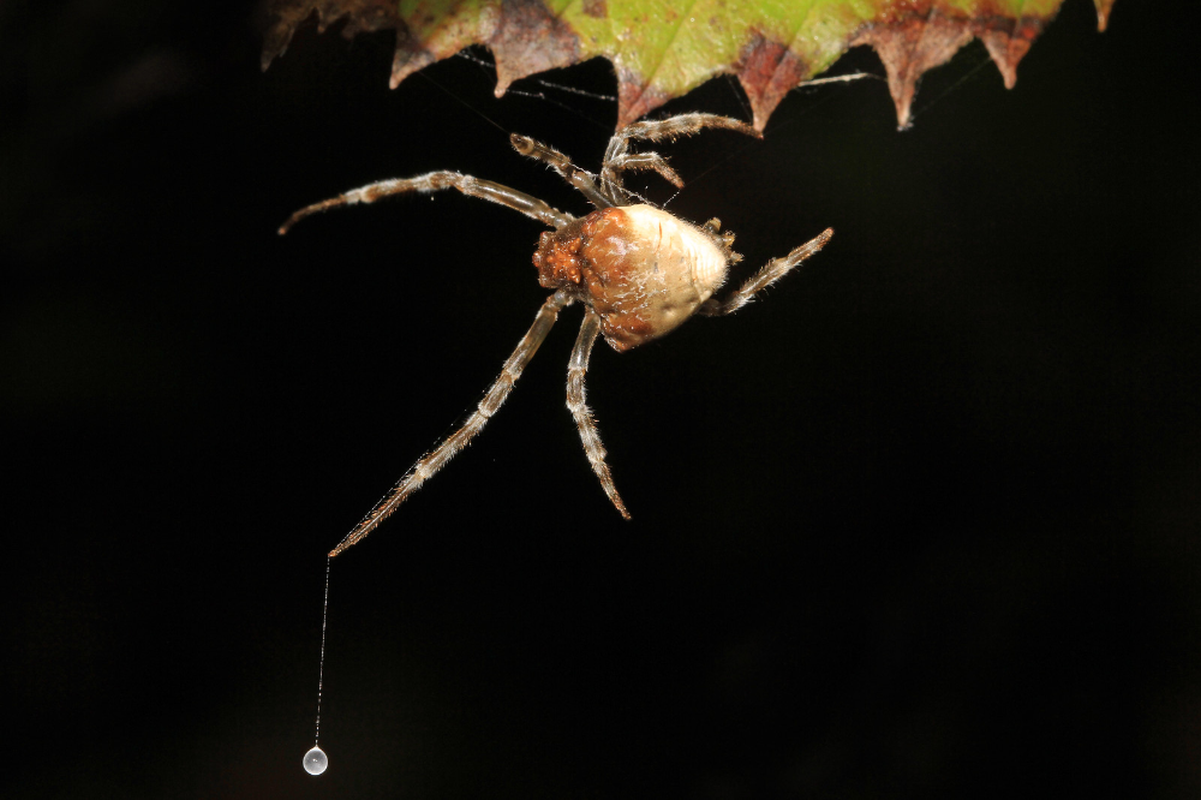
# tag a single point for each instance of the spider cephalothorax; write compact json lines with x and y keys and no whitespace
{"x":639,"y":270}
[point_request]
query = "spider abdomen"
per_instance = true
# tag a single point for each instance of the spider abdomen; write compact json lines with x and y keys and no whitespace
{"x":641,"y":268}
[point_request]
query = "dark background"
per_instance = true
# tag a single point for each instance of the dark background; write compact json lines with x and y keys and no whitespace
{"x":923,"y":523}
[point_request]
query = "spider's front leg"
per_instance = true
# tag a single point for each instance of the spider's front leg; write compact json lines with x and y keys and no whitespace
{"x":436,"y":182}
{"x":770,"y":273}
{"x":581,"y":179}
{"x":619,"y":159}
{"x":576,"y":371}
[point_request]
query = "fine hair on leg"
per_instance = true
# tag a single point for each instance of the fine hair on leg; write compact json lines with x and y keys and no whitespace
{"x":580,"y":179}
{"x":771,"y":272}
{"x":437,"y":458}
{"x":436,"y":182}
{"x":576,"y":402}
{"x":618,"y":157}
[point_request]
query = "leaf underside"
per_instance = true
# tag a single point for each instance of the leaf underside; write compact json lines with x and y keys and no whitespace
{"x":661,"y":49}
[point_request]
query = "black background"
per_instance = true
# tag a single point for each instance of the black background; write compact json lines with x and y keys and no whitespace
{"x":922,"y":523}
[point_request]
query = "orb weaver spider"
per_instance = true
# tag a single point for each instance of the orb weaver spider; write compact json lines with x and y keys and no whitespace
{"x":639,"y":270}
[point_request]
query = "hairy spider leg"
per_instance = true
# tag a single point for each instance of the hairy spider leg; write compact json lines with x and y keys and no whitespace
{"x":437,"y":458}
{"x":580,"y":179}
{"x":618,"y":157}
{"x":585,"y":181}
{"x":632,"y":162}
{"x":771,"y":272}
{"x":576,"y":371}
{"x":436,"y":182}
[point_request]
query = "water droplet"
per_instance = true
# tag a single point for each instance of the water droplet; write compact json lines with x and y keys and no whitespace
{"x":315,"y":761}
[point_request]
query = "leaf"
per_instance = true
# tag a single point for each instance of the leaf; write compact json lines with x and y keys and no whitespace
{"x":661,"y":49}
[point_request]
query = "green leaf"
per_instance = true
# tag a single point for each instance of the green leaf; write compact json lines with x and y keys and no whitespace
{"x":661,"y":49}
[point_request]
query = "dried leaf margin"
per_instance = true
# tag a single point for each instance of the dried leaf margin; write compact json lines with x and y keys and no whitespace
{"x":662,"y":49}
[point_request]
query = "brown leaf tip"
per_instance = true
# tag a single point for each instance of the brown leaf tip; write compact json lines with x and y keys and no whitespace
{"x":530,"y":39}
{"x":1007,"y":41}
{"x":914,"y":37}
{"x":768,"y":71}
{"x":636,"y":97}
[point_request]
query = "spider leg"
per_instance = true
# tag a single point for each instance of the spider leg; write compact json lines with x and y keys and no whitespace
{"x":648,"y":161}
{"x":437,"y":458}
{"x":576,"y":371}
{"x":654,"y":130}
{"x":581,"y":179}
{"x":435,"y":182}
{"x":770,"y":273}
{"x":585,"y":181}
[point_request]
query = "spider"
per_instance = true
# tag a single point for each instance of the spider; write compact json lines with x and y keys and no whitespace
{"x":639,"y":271}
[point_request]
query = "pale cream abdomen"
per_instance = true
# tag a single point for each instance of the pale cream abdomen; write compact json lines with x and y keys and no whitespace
{"x":642,"y":269}
{"x":687,"y":260}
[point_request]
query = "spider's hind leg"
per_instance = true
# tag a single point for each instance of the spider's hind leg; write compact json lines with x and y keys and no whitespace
{"x":771,"y":272}
{"x":437,"y":458}
{"x":576,"y":371}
